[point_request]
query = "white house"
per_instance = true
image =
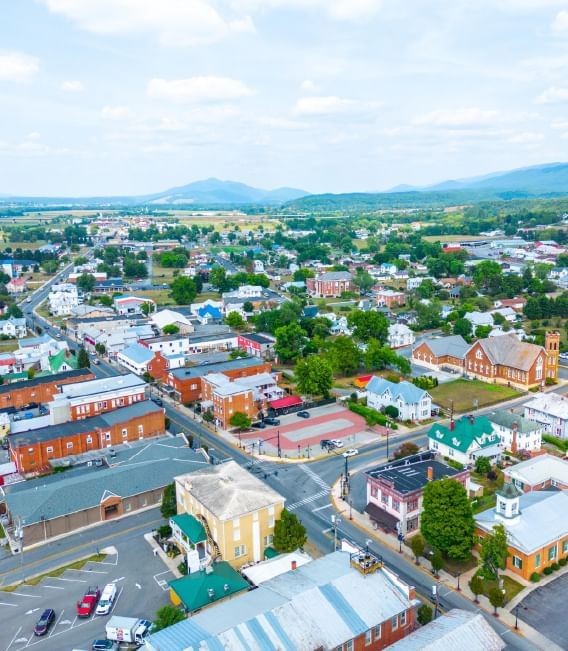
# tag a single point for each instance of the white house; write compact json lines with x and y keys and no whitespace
{"x":412,"y":403}
{"x":63,"y":299}
{"x":13,"y":327}
{"x":479,"y":319}
{"x":169,"y":317}
{"x":132,"y":304}
{"x":258,"y":267}
{"x":465,"y":440}
{"x":400,"y":335}
{"x":517,"y":433}
{"x":551,"y":410}
{"x":135,"y":358}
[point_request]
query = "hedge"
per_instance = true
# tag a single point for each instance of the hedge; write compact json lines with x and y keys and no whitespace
{"x":553,"y":440}
{"x":371,"y":416}
{"x":535,"y":577}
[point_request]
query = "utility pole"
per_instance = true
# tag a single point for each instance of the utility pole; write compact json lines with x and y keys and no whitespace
{"x":335,"y":520}
{"x":279,"y":448}
{"x":388,"y":431}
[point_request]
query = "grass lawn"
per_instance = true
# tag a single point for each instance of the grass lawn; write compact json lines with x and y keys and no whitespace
{"x":43,"y":310}
{"x":161,"y":296}
{"x":8,"y":346}
{"x":511,"y":587}
{"x":464,"y":392}
{"x":489,"y":485}
{"x":483,"y":503}
{"x":163,"y":274}
{"x":30,"y":246}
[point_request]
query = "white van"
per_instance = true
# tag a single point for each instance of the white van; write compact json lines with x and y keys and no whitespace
{"x":107,"y":599}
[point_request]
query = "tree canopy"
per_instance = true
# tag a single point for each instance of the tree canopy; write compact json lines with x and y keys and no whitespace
{"x":184,"y":290}
{"x":289,"y":533}
{"x":314,"y":376}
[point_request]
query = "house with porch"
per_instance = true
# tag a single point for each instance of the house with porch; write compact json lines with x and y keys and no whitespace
{"x":466,"y":439}
{"x":412,"y":403}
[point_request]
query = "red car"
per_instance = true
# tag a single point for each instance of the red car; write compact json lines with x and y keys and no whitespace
{"x":88,"y":603}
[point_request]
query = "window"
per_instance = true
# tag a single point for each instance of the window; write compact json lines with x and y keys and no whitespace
{"x":478,"y":354}
{"x":377,"y":631}
{"x":412,"y":505}
{"x":384,"y":498}
{"x":128,"y":507}
{"x":89,"y":439}
{"x":537,"y":560}
{"x":69,"y":445}
{"x":140,"y":429}
{"x":394,"y":623}
{"x":403,"y":618}
{"x":240,"y":550}
{"x":348,"y":646}
{"x":236,"y":534}
{"x":374,"y":491}
{"x":565,"y":547}
{"x":552,"y":553}
{"x":396,"y":505}
{"x":268,"y":540}
{"x":49,"y":450}
{"x":124,"y":433}
{"x":368,"y":637}
{"x":518,"y":562}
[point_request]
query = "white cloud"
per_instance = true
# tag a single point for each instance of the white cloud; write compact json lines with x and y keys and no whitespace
{"x":553,"y":95}
{"x":342,"y":10}
{"x":309,"y":86}
{"x":16,"y":66}
{"x":560,"y":23}
{"x":198,"y":89}
{"x":325,"y":105}
{"x":460,"y":118}
{"x":283,"y":124}
{"x":177,"y":23}
{"x":560,"y":125}
{"x":115,"y":112}
{"x":526,"y":138}
{"x":73,"y":86}
{"x":242,"y":25}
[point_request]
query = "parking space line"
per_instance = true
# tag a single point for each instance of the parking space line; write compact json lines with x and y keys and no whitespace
{"x":56,"y":622}
{"x":12,"y":640}
{"x":53,"y":587}
{"x":32,"y":596}
{"x":320,"y":508}
{"x":2,"y":603}
{"x":58,"y":578}
{"x":31,"y":637}
{"x":91,"y":571}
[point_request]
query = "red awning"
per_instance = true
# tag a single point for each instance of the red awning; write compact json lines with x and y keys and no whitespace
{"x":288,"y":401}
{"x":364,"y":379}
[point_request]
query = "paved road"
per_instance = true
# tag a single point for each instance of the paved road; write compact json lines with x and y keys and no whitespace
{"x":307,"y":488}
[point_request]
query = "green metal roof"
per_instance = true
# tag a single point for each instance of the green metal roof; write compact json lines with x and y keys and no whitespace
{"x":191,"y":527}
{"x":62,"y":357}
{"x":466,"y":431}
{"x":193,"y":590}
{"x":270,"y":552}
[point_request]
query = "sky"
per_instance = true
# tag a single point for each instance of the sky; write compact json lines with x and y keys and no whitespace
{"x":122,"y":97}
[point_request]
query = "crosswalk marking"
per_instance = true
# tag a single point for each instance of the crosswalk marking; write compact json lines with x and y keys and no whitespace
{"x":312,"y":475}
{"x":307,"y":500}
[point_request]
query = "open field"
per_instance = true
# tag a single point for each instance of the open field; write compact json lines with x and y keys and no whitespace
{"x":30,"y":246}
{"x":8,"y":345}
{"x":163,"y":274}
{"x":160,"y":296}
{"x":463,"y":393}
{"x":454,"y":238}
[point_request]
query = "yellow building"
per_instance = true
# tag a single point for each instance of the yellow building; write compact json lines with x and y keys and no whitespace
{"x":237,"y":512}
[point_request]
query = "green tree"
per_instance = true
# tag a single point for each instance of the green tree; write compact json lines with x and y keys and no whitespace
{"x":168,"y":507}
{"x":476,"y":586}
{"x":482,"y":465}
{"x":369,"y":325}
{"x":494,"y":552}
{"x":343,"y":355}
{"x":378,"y":357}
{"x":83,"y":360}
{"x":424,"y":614}
{"x":406,"y":449}
{"x":447,"y":522}
{"x":167,"y":615}
{"x":462,"y":327}
{"x":392,"y":412}
{"x":482,"y":332}
{"x":289,"y":533}
{"x":31,"y":373}
{"x":240,"y":420}
{"x":417,"y":544}
{"x":300,"y":275}
{"x":235,"y":320}
{"x":496,"y":598}
{"x":290,"y":341}
{"x":184,"y":290}
{"x":437,"y":561}
{"x":314,"y":376}
{"x":132,"y":268}
{"x":488,"y":277}
{"x":248,"y":307}
{"x":100,"y":348}
{"x":147,"y":308}
{"x":86,"y":282}
{"x":170,"y":328}
{"x":49,"y":266}
{"x":218,"y":278}
{"x":106,"y":300}
{"x":363,"y":280}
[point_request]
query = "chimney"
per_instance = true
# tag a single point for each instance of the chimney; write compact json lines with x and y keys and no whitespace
{"x":294,"y":565}
{"x":471,"y":419}
{"x":514,"y":429}
{"x":430,"y":473}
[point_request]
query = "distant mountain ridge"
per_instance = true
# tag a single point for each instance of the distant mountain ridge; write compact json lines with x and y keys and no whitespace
{"x":208,"y":192}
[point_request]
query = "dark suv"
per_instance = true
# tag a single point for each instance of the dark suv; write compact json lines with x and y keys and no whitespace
{"x":272,"y":421}
{"x":45,"y":621}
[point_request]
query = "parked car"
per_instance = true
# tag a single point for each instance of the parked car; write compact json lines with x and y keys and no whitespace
{"x":44,"y":622}
{"x":158,"y":401}
{"x":89,"y":602}
{"x":272,"y":421}
{"x":351,"y":452}
{"x":107,"y":600}
{"x":326,"y":443}
{"x":259,"y":424}
{"x":105,"y":645}
{"x":303,"y":414}
{"x":337,"y":443}
{"x":96,"y":361}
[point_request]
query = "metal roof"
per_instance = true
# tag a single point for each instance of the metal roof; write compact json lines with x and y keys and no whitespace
{"x":454,"y":346}
{"x":137,"y":353}
{"x":49,"y":379}
{"x":406,"y":391}
{"x":507,"y":419}
{"x":467,"y":430}
{"x":189,"y":372}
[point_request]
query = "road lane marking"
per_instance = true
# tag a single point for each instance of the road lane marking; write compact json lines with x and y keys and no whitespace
{"x":91,"y":571}
{"x":59,"y":578}
{"x":33,"y":610}
{"x":2,"y":603}
{"x":321,"y":508}
{"x":32,"y":596}
{"x":53,"y":587}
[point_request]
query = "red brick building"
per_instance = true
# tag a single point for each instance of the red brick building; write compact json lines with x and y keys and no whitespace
{"x":41,"y":389}
{"x":33,"y":450}
{"x":186,"y":382}
{"x":256,"y":345}
{"x":390,"y":298}
{"x":330,"y":284}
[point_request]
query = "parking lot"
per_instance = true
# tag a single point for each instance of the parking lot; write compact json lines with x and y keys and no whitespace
{"x":141,"y":580}
{"x":302,"y":436}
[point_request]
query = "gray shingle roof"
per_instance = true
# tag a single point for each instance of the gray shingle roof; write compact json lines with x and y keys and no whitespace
{"x":335,"y":275}
{"x":507,"y":419}
{"x":455,"y":346}
{"x":509,"y":351}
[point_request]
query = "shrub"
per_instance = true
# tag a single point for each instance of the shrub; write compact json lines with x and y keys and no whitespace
{"x":424,"y":614}
{"x":482,"y":465}
{"x":563,"y":561}
{"x":555,"y":566}
{"x":371,"y":416}
{"x":454,"y":464}
{"x":165,"y":531}
{"x":548,"y":571}
{"x":492,"y":475}
{"x":182,"y":568}
{"x":550,"y":381}
{"x":535,"y":577}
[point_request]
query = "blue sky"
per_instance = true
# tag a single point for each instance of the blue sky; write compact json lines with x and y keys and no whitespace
{"x":135,"y":96}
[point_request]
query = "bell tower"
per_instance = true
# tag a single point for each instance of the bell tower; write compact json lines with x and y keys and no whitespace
{"x":552,"y":347}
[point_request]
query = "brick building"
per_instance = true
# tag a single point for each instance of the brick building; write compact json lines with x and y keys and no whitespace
{"x":330,"y":284}
{"x":543,"y":472}
{"x":256,"y":345}
{"x":41,"y":389}
{"x":390,"y":298}
{"x":32,"y":451}
{"x":441,"y":353}
{"x":186,"y":382}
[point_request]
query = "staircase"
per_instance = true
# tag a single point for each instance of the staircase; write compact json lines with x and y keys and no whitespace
{"x":216,"y":556}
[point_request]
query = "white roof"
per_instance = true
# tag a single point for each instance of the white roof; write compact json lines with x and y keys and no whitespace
{"x":549,"y":403}
{"x":102,"y":385}
{"x":167,"y":317}
{"x":266,"y":570}
{"x":457,"y":629}
{"x":229,"y":491}
{"x":540,"y":469}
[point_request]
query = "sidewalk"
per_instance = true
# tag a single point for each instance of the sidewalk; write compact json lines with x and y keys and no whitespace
{"x":506,"y":615}
{"x":170,"y":563}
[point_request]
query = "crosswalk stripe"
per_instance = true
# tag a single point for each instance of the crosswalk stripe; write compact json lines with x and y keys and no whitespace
{"x":313,"y":476}
{"x":307,"y":500}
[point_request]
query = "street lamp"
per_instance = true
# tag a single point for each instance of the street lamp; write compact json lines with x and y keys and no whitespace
{"x":517,"y":617}
{"x":458,"y":574}
{"x":299,"y":451}
{"x":335,"y":520}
